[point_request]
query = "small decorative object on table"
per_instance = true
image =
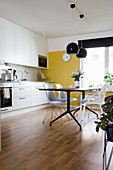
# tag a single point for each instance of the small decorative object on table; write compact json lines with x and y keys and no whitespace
{"x":105,"y":122}
{"x":76,"y":75}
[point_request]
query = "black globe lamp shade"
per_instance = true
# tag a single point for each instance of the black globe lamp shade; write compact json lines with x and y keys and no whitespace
{"x":72,"y":48}
{"x":82,"y":53}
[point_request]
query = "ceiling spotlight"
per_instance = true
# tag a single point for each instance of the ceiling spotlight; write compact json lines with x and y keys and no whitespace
{"x":72,"y":5}
{"x":81,"y":16}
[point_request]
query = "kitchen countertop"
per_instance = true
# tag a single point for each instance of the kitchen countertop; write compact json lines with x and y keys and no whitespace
{"x":24,"y":81}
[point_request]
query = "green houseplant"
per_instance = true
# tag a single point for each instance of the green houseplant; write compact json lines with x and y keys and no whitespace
{"x":76,"y":75}
{"x":109,"y":79}
{"x":105,"y":122}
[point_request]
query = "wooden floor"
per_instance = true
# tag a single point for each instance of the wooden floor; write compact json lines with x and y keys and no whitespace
{"x":29,"y":144}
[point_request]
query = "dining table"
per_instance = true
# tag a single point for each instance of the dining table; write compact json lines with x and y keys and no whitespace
{"x":68,"y":110}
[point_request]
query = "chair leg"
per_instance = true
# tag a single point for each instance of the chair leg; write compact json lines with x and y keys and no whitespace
{"x":83,"y":116}
{"x":52,"y":112}
{"x":79,"y":117}
{"x":46,"y":115}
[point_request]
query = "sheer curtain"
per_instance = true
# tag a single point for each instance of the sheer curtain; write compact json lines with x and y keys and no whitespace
{"x":93,"y":67}
{"x":111,"y":60}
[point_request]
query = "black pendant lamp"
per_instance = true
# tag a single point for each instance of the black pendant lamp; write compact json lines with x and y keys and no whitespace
{"x":72,"y":48}
{"x":82,"y":52}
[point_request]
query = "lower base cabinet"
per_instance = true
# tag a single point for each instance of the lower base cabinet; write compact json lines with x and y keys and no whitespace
{"x":38,"y":99}
{"x":28,"y":95}
{"x":21,"y":102}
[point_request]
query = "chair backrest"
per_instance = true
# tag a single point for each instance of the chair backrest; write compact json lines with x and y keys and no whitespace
{"x":98,"y":96}
{"x":50,"y":94}
{"x":61,"y":94}
{"x":102,"y":92}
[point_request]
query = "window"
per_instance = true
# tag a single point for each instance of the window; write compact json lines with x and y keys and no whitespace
{"x":111,"y":60}
{"x":99,"y":60}
{"x":93,"y":66}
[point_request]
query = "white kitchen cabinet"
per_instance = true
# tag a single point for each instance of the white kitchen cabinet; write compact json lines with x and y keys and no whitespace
{"x":21,"y":102}
{"x":19,"y":46}
{"x":10,"y":42}
{"x":21,"y":91}
{"x":38,"y":97}
{"x":28,"y":95}
{"x":30,"y":49}
{"x":27,"y":48}
{"x":34,"y":52}
{"x":21,"y":96}
{"x":2,"y":57}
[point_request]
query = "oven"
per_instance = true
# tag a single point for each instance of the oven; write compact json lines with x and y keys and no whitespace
{"x":5,"y":96}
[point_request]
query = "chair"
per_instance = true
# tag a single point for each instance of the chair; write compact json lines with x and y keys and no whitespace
{"x":62,"y":96}
{"x":54,"y":102}
{"x":96,"y":98}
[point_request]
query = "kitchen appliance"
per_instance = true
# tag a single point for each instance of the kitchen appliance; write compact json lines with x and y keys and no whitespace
{"x":9,"y":75}
{"x":5,"y":96}
{"x":42,"y":61}
{"x":14,"y":75}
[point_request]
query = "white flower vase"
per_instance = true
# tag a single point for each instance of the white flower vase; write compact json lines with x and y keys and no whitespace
{"x":76,"y":83}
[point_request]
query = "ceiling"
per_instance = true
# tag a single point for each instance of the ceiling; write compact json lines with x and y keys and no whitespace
{"x":55,"y":18}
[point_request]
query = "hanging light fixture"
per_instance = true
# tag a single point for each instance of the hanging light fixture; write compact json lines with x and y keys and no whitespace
{"x":72,"y":48}
{"x":82,"y":52}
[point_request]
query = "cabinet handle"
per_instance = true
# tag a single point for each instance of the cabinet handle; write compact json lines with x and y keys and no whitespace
{"x":22,"y":98}
{"x":4,"y":110}
{"x":21,"y":89}
{"x":36,"y":87}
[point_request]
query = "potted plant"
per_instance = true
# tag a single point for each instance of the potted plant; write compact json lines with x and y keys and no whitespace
{"x":105,"y":121}
{"x":109,"y":80}
{"x":76,"y":75}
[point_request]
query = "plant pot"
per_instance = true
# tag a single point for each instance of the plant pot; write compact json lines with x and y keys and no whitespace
{"x":109,"y":130}
{"x":76,"y":83}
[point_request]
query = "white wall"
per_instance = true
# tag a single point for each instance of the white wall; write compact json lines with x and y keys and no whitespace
{"x":59,"y":44}
{"x":24,"y":72}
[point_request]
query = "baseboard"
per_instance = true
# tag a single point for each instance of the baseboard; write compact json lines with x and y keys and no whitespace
{"x":22,"y":111}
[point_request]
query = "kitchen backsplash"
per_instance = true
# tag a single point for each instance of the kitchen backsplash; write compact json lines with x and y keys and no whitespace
{"x":24,"y":72}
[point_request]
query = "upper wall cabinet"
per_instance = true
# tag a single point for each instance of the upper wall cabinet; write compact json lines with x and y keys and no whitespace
{"x":2,"y":57}
{"x":34,"y":51}
{"x":20,"y":46}
{"x":27,"y":47}
{"x":10,"y":42}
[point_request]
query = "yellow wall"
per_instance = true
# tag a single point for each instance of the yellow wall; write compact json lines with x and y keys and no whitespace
{"x":60,"y":71}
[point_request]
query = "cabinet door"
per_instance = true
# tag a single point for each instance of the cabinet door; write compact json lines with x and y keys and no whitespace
{"x":2,"y":57}
{"x":21,"y":102}
{"x":34,"y":52}
{"x":27,"y":48}
{"x":21,"y":91}
{"x":10,"y":42}
{"x":38,"y":97}
{"x":19,"y":46}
